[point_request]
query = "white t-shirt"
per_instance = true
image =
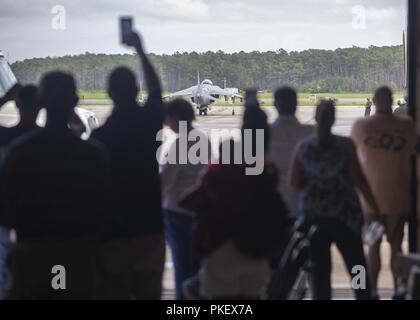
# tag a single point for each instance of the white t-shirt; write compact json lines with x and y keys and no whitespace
{"x":286,"y":133}
{"x":178,"y":179}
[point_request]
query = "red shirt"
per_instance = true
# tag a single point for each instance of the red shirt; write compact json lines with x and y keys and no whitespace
{"x":228,"y":192}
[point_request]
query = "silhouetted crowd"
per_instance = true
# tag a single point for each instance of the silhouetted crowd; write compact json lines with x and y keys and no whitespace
{"x":103,"y":209}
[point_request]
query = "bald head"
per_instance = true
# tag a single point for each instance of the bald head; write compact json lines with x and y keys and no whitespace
{"x":57,"y":91}
{"x":383,"y":100}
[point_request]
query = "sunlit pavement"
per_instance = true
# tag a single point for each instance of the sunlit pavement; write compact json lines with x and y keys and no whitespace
{"x":221,"y":118}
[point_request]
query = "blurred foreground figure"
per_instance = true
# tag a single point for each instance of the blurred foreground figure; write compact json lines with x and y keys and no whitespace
{"x":327,"y":172}
{"x":177,"y":179}
{"x":240,"y":221}
{"x":385,"y":143}
{"x":286,"y":133}
{"x":132,"y":258}
{"x":54,"y":186}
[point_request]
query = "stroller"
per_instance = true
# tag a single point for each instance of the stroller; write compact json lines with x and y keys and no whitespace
{"x":290,"y":279}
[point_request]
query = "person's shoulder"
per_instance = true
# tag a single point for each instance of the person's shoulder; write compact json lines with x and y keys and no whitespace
{"x":304,"y":144}
{"x":101,"y":133}
{"x":26,"y":142}
{"x":302,"y":130}
{"x":91,"y":149}
{"x":4,"y":129}
{"x":5,"y":134}
{"x":306,"y":141}
{"x":140,"y":116}
{"x":92,"y":144}
{"x":398,"y":121}
{"x":407,"y":124}
{"x":16,"y":132}
{"x":405,"y":120}
{"x":274,"y":125}
{"x":98,"y":132}
{"x":360,"y":122}
{"x":28,"y":138}
{"x":308,"y":128}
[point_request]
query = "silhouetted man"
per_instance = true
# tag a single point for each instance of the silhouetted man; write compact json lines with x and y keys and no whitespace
{"x":133,"y":258}
{"x":55,"y":189}
{"x":27,"y":104}
{"x":286,"y":132}
{"x":25,"y":98}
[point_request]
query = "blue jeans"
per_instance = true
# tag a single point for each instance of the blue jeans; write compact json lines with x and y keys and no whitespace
{"x":5,"y":246}
{"x":178,"y":231}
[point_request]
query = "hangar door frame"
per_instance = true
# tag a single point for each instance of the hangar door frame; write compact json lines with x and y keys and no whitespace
{"x":413,"y":81}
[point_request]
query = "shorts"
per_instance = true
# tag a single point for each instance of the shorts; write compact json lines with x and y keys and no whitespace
{"x":227,"y":273}
{"x":394,"y":227}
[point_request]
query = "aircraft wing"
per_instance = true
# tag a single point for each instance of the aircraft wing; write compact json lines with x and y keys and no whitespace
{"x":221,"y":92}
{"x":211,"y":98}
{"x":185,"y":92}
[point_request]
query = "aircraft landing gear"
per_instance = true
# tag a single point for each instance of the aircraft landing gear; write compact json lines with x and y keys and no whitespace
{"x":202,"y":111}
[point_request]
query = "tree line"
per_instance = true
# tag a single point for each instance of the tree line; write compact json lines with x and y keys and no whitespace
{"x":342,"y":70}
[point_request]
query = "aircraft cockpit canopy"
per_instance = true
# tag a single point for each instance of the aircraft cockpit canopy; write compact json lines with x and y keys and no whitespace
{"x":7,"y":78}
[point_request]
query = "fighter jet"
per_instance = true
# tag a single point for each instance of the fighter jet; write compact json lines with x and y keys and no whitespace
{"x":204,"y":94}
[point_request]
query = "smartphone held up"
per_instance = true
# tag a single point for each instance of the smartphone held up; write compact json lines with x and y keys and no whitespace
{"x":126,"y":30}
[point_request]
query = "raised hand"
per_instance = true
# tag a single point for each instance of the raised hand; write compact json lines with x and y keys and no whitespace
{"x":136,"y":42}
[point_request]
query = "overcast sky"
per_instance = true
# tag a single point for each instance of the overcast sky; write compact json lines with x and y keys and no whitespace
{"x":197,"y":25}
